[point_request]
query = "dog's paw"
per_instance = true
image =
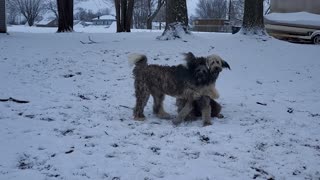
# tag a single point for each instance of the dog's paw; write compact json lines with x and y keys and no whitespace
{"x":164,"y":116}
{"x":220,"y":116}
{"x":139,"y":118}
{"x":207,"y":123}
{"x":176,"y":121}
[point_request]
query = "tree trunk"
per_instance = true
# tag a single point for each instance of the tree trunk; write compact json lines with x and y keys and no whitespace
{"x":3,"y":24}
{"x":154,"y":14}
{"x":253,"y":17}
{"x":118,"y":17}
{"x":124,"y":12}
{"x":129,"y":15}
{"x":176,"y":20}
{"x":65,"y":11}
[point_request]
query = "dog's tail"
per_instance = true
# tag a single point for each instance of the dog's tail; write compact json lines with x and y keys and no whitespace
{"x":137,"y":59}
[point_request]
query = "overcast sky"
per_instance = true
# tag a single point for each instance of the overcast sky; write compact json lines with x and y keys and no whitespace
{"x":97,"y":4}
{"x":191,"y":4}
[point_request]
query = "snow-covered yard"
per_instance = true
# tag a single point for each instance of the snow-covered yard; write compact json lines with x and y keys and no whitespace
{"x":78,"y":123}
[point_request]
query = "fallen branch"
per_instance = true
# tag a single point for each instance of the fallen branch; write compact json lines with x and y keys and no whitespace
{"x":125,"y":107}
{"x":263,"y":104}
{"x":14,"y":100}
{"x":90,"y":41}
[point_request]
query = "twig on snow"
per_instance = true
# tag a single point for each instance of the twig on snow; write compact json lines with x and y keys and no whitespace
{"x":125,"y":107}
{"x":263,"y":104}
{"x":14,"y":100}
{"x":90,"y":41}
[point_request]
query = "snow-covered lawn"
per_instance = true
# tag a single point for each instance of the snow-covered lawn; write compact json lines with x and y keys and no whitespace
{"x":78,"y":123}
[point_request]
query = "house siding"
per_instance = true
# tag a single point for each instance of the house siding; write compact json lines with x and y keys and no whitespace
{"x":3,"y":26}
{"x":102,"y":22}
{"x":211,"y":25}
{"x":287,"y":6}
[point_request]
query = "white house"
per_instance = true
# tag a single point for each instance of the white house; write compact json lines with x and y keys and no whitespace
{"x":104,"y":20}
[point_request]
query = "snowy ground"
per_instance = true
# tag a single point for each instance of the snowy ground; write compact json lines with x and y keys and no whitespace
{"x":77,"y":124}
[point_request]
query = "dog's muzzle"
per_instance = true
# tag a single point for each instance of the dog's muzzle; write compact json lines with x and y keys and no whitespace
{"x":201,"y":75}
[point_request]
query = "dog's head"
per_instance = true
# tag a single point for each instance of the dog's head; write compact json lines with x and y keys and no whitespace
{"x":215,"y":65}
{"x":198,"y":68}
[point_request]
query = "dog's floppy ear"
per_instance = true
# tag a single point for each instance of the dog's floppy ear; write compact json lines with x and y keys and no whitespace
{"x":225,"y":64}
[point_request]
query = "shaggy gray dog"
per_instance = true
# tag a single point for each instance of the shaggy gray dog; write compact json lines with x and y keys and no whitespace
{"x":206,"y":105}
{"x":181,"y":81}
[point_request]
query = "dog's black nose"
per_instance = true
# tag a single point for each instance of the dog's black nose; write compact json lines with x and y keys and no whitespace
{"x":217,"y":69}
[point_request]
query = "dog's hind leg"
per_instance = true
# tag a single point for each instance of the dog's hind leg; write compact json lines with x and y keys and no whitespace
{"x":180,"y":103}
{"x":184,"y":112}
{"x":215,"y":109}
{"x":142,"y":97}
{"x":158,"y":109}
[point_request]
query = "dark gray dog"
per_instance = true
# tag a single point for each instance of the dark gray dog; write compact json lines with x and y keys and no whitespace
{"x":181,"y":81}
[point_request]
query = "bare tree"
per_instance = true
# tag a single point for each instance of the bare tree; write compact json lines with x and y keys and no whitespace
{"x":160,"y":17}
{"x":65,"y":13}
{"x":253,"y":17}
{"x":12,"y":13}
{"x":30,"y":9}
{"x":236,"y":12}
{"x":88,"y":15}
{"x":145,"y":11}
{"x":176,"y":20}
{"x":212,"y":9}
{"x":153,"y":14}
{"x":140,"y":13}
{"x":51,"y":5}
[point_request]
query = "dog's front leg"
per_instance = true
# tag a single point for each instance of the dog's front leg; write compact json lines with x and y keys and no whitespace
{"x":184,"y":112}
{"x":205,"y":110}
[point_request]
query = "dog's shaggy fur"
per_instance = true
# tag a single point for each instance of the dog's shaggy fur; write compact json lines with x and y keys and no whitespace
{"x":215,"y":65}
{"x":181,"y":81}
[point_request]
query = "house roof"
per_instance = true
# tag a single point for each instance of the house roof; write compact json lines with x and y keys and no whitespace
{"x":45,"y":21}
{"x":105,"y":17}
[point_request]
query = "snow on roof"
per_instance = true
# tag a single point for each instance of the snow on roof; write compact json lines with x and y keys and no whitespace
{"x":105,"y":17}
{"x":47,"y":18}
{"x":297,"y":18}
{"x":45,"y":21}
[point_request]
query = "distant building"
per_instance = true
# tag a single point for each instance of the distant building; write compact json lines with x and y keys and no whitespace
{"x":211,"y":25}
{"x":105,"y":20}
{"x":158,"y":25}
{"x":49,"y":22}
{"x":3,"y":23}
{"x":288,"y":6}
